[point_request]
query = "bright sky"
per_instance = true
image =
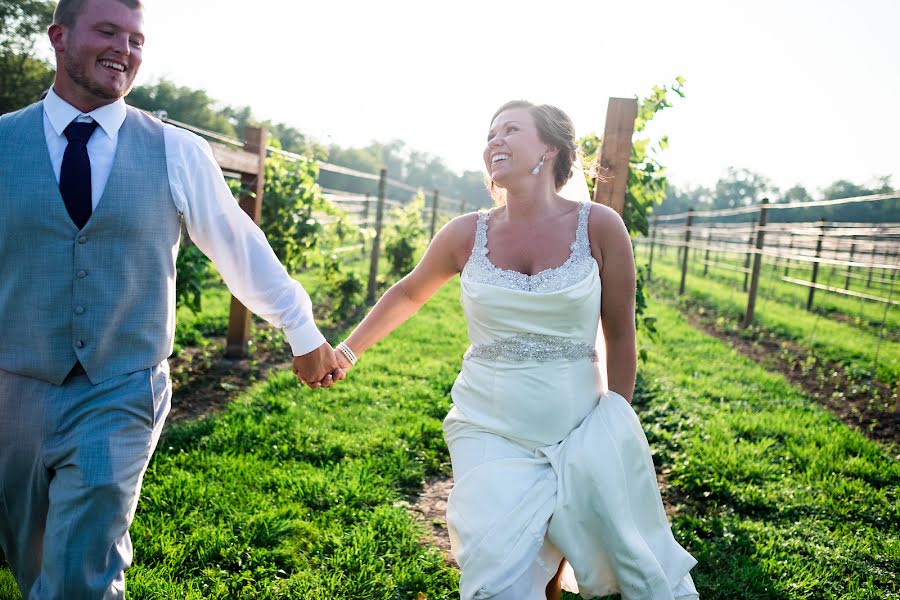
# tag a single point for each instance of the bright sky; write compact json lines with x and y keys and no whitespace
{"x":802,"y":91}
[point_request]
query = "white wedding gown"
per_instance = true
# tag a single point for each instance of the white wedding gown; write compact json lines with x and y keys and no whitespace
{"x":548,"y":463}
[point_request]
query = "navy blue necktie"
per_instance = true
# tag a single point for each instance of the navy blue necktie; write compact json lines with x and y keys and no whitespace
{"x":75,"y":173}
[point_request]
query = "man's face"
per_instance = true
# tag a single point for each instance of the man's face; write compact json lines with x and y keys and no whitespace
{"x":99,"y":56}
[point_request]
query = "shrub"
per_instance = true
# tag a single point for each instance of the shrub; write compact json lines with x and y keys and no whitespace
{"x":405,"y":237}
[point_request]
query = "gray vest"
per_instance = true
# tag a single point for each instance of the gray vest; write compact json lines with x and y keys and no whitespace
{"x":105,"y":295}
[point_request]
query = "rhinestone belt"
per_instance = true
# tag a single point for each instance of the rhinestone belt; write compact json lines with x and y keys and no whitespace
{"x":531,"y":346}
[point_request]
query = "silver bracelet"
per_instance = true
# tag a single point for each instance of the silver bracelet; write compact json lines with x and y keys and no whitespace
{"x":346,"y":351}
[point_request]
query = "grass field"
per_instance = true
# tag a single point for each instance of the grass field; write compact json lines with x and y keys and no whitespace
{"x":780,"y":310}
{"x":780,"y":500}
{"x":867,"y":314}
{"x":292,"y":493}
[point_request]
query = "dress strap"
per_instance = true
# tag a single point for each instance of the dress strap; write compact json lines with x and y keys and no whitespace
{"x":479,"y":248}
{"x":582,"y":243}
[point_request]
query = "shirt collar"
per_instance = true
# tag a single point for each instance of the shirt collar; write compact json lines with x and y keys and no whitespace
{"x":109,"y":117}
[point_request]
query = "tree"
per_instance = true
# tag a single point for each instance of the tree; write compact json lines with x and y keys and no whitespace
{"x":23,"y":76}
{"x":679,"y":200}
{"x":796,"y":193}
{"x":741,"y":187}
{"x":184,"y":104}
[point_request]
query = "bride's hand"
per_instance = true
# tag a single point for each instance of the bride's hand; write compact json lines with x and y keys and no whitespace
{"x":342,"y":361}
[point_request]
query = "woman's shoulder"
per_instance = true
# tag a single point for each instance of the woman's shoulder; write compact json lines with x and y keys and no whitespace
{"x":462,"y":227}
{"x":604,"y":223}
{"x":458,"y":236}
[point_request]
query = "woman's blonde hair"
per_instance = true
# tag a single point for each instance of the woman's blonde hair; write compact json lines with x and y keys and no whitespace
{"x":554,"y":128}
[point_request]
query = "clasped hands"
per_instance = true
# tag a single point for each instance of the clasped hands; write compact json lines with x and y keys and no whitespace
{"x":322,"y":367}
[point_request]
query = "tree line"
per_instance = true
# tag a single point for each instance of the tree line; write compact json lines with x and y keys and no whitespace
{"x":742,"y":187}
{"x":24,"y":77}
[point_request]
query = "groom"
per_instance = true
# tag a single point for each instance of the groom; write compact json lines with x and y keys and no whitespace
{"x":93,"y":195}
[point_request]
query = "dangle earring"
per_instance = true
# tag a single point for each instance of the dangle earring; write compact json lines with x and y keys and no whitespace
{"x":537,"y":169}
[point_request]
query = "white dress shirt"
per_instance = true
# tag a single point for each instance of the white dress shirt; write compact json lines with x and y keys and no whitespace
{"x":215,"y":222}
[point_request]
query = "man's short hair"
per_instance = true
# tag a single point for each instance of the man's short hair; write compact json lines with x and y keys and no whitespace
{"x":67,"y":11}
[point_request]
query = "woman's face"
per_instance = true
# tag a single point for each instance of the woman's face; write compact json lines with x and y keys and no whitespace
{"x":514,"y":147}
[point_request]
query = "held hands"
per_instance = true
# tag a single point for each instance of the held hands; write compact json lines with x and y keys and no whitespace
{"x":342,"y":359}
{"x":319,"y":368}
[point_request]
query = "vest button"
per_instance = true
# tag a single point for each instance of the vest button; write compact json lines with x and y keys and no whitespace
{"x":79,"y":344}
{"x":81,"y":274}
{"x":79,"y":310}
{"x":82,"y":239}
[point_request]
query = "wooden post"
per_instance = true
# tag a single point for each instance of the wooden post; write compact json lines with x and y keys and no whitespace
{"x":757,"y":263}
{"x":462,"y":206}
{"x":434,"y":210}
{"x":366,"y":210}
{"x":815,"y":266}
{"x":787,"y":260}
{"x":615,"y":153}
{"x":251,"y":202}
{"x":376,"y":243}
{"x":652,"y":244}
{"x":687,"y":243}
{"x":365,"y":224}
{"x":706,"y":254}
{"x":871,"y":269}
{"x":747,"y":255}
{"x":849,"y":267}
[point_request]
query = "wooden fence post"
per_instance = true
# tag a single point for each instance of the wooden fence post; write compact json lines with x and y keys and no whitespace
{"x":757,"y":262}
{"x":251,"y":202}
{"x":787,"y":260}
{"x":376,"y":243}
{"x":462,"y":206}
{"x":434,"y":210}
{"x":687,"y":243}
{"x":652,"y":244}
{"x":365,"y":223}
{"x":615,"y":153}
{"x":871,"y":260}
{"x":706,"y":254}
{"x":366,"y":209}
{"x":815,"y":267}
{"x":750,"y":243}
{"x":849,"y":267}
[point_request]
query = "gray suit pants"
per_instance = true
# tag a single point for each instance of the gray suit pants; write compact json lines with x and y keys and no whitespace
{"x":72,"y":458}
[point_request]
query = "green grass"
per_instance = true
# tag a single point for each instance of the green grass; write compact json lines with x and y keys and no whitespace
{"x":867,"y":314}
{"x":8,"y":588}
{"x":839,"y":341}
{"x":299,"y":494}
{"x":779,"y":499}
{"x":864,"y":313}
{"x":193,"y":328}
{"x":292,"y":493}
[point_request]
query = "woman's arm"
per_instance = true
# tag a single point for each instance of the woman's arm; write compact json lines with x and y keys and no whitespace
{"x":445,"y":257}
{"x":611,"y":246}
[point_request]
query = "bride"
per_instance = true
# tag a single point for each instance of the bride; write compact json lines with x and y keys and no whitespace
{"x":554,"y":482}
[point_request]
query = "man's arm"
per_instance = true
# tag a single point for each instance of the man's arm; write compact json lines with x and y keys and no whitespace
{"x":241,"y":253}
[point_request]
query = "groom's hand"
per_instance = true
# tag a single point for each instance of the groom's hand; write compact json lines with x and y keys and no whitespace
{"x":318,"y":368}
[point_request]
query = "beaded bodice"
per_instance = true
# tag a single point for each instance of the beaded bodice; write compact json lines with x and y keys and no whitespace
{"x":580,"y":263}
{"x":551,"y":315}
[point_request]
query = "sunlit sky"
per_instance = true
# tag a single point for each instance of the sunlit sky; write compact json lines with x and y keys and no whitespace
{"x":801,"y":91}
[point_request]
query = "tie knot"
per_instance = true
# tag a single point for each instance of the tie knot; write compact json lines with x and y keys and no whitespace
{"x":80,"y":132}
